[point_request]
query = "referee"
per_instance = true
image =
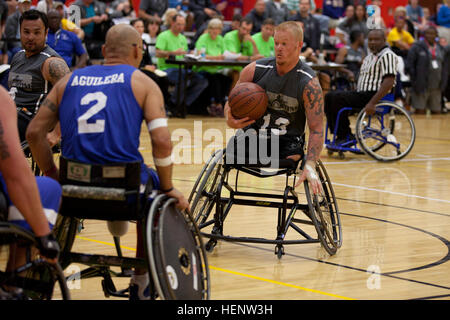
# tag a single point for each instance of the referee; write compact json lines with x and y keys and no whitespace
{"x":376,"y":79}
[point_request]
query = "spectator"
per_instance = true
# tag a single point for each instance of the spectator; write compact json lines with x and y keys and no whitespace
{"x":235,"y":23}
{"x":414,"y":12}
{"x":334,"y":9}
{"x":342,"y":28}
{"x":278,"y":11}
{"x":93,"y":21}
{"x":352,"y":55}
{"x":264,"y":39}
{"x":203,"y":11}
{"x":293,"y":6}
{"x":167,"y":18}
{"x":45,"y":6}
{"x":357,"y":22}
{"x":240,"y":42}
{"x":399,"y":38}
{"x":12,"y":28}
{"x":173,"y":43}
{"x":65,"y":43}
{"x":67,"y":24}
{"x":182,"y":8}
{"x":311,"y":31}
{"x":153,"y":8}
{"x":153,"y":29}
{"x":219,"y":84}
{"x":3,"y":44}
{"x":427,"y":66}
{"x":258,"y":14}
{"x":229,"y":8}
{"x":443,"y":20}
{"x":147,"y":65}
{"x":400,"y":11}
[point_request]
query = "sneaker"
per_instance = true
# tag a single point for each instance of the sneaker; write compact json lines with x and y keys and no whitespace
{"x":135,"y":295}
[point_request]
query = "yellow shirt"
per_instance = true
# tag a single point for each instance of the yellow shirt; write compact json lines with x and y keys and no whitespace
{"x":68,"y":25}
{"x":395,"y":36}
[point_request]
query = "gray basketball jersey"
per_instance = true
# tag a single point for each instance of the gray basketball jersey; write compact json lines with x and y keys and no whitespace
{"x":285,"y":114}
{"x":27,"y":86}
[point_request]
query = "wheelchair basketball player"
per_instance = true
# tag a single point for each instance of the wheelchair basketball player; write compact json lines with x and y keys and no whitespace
{"x":101,"y":109}
{"x":295,"y":98}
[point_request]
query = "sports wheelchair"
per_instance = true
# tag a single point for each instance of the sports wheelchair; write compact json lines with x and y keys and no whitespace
{"x":35,"y":278}
{"x":388,"y":135}
{"x":174,"y":251}
{"x":213,"y":195}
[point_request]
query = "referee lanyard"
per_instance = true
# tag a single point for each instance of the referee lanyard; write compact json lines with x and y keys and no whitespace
{"x":432,"y":50}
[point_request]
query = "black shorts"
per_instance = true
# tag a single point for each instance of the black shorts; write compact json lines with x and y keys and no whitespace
{"x":261,"y":147}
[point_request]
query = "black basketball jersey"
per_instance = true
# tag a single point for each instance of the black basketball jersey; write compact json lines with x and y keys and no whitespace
{"x":27,"y":86}
{"x":285,"y":115}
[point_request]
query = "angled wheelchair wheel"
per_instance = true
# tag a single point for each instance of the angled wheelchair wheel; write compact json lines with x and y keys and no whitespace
{"x":388,"y":135}
{"x":324,"y":212}
{"x":36,"y":279}
{"x":202,"y":197}
{"x":65,"y":230}
{"x":176,"y":254}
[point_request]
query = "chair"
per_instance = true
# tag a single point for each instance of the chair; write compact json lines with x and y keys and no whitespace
{"x":34,"y":279}
{"x":321,"y":211}
{"x":388,"y":135}
{"x":177,"y":264}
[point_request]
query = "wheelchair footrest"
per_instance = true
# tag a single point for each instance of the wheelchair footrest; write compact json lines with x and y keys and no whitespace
{"x":257,"y":240}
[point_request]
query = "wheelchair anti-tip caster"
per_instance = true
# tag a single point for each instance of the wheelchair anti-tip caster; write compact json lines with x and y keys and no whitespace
{"x":279,"y":251}
{"x":209,"y":246}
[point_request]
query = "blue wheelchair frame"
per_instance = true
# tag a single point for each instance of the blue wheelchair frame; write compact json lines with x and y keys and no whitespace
{"x":350,"y":145}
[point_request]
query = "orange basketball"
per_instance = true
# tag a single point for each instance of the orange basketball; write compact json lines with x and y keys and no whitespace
{"x":247,"y":99}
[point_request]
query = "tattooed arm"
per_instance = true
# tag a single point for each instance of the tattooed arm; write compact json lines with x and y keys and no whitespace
{"x":54,"y":69}
{"x":313,"y":101}
{"x":45,"y":120}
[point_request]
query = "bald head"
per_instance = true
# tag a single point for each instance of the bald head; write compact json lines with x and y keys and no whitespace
{"x":120,"y":40}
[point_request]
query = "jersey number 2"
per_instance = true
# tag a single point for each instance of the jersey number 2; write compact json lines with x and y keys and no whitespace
{"x":99,"y":125}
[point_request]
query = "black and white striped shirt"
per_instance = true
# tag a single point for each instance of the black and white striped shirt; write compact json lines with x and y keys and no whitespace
{"x":375,"y":68}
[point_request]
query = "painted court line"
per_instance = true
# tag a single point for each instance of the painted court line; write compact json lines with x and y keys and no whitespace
{"x":237,"y":273}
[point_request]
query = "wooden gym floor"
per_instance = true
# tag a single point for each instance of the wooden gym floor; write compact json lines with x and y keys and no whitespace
{"x":395,"y":217}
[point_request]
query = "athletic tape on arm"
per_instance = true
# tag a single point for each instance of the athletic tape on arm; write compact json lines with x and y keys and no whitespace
{"x":157,"y":123}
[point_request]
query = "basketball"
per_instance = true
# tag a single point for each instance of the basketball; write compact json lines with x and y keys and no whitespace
{"x":247,"y":99}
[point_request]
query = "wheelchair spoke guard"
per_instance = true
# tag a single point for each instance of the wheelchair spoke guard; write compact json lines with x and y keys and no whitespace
{"x":176,"y":253}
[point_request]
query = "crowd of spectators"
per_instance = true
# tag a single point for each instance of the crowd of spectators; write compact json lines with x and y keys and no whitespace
{"x":218,"y":29}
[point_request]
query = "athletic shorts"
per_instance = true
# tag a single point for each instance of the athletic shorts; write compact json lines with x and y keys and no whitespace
{"x":50,"y":193}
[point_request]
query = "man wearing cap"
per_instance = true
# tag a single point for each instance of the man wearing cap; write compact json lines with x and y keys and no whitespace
{"x":12,"y":28}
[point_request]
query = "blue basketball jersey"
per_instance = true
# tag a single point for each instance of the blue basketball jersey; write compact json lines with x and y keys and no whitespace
{"x":100,"y":117}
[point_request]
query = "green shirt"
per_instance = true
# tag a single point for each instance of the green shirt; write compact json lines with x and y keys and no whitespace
{"x":266,"y":48}
{"x":212,"y":48}
{"x":167,"y":41}
{"x":233,"y":44}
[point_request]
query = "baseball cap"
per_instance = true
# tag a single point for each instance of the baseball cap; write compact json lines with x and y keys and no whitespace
{"x":22,"y":1}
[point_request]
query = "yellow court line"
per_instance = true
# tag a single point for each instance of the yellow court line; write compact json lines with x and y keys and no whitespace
{"x":238,"y":273}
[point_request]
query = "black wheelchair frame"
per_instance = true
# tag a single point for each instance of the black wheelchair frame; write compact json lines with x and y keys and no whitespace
{"x":376,"y":135}
{"x":321,"y":211}
{"x":107,"y":199}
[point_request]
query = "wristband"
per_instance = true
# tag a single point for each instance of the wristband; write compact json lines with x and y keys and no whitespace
{"x":51,"y":171}
{"x":166,"y":190}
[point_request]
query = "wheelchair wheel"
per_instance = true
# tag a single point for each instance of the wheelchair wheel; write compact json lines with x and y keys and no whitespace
{"x":36,"y":279}
{"x":388,"y":135}
{"x":202,"y":199}
{"x":65,"y":230}
{"x":176,"y":254}
{"x":324,"y":212}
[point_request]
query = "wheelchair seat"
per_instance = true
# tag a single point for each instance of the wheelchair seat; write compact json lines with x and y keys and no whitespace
{"x":113,"y":192}
{"x":208,"y":197}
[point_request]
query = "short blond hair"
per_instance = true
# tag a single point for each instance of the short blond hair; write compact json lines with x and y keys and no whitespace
{"x":215,"y":23}
{"x":293,"y":27}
